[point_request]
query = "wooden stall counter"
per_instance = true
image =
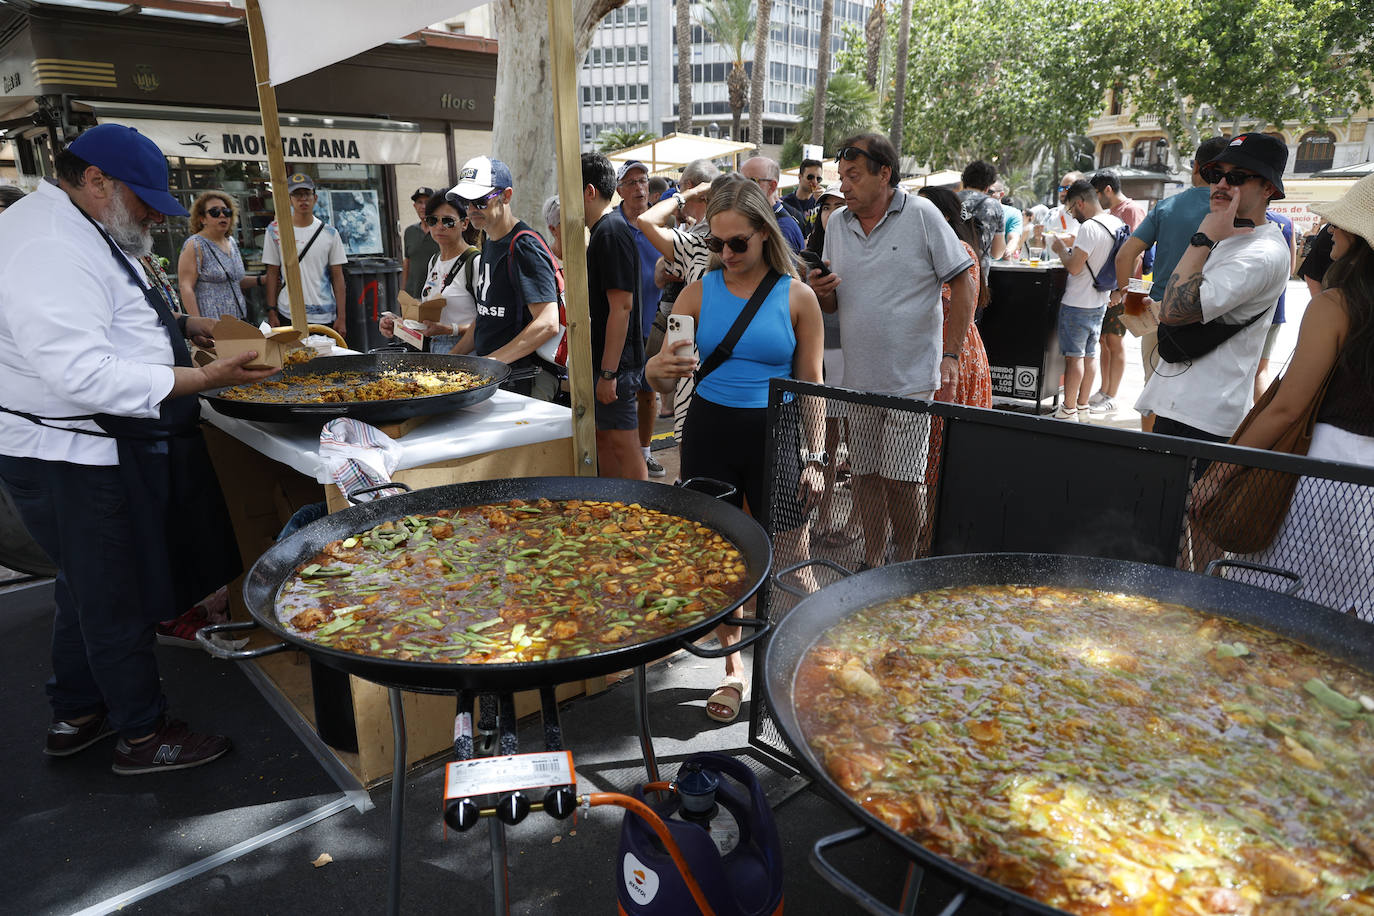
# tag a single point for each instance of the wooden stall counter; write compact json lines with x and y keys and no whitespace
{"x":269,"y":470}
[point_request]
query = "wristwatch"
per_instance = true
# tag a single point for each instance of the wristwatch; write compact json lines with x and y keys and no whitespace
{"x":1202,"y":240}
{"x":821,"y":458}
{"x":609,"y":374}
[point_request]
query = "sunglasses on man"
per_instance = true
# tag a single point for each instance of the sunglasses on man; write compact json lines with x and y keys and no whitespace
{"x":851,"y":153}
{"x":1235,"y":178}
{"x":739,"y":244}
{"x":482,"y":203}
{"x":218,"y":212}
{"x":815,"y":178}
{"x":448,"y":222}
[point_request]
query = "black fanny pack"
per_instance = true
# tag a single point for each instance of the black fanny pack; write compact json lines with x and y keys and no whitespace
{"x":1185,"y":342}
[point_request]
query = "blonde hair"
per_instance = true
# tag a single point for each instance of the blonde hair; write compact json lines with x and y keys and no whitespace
{"x":735,"y":192}
{"x":203,"y":203}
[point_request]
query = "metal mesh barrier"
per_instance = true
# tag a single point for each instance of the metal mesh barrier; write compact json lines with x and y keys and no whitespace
{"x":910,"y":479}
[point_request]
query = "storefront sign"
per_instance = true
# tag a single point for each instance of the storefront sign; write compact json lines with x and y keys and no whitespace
{"x":212,"y":140}
{"x":1304,"y":220}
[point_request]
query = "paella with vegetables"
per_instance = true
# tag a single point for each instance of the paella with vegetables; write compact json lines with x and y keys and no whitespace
{"x":1103,"y":753}
{"x":512,"y":582}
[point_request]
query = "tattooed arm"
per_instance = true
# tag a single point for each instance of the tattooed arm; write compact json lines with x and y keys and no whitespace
{"x":1182,"y":302}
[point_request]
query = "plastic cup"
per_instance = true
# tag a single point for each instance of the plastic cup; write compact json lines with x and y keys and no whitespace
{"x":1035,"y":255}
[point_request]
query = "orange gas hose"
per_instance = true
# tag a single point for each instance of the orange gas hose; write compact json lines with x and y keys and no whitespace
{"x":647,"y":815}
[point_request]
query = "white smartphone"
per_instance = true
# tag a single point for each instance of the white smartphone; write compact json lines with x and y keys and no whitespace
{"x":680,"y":327}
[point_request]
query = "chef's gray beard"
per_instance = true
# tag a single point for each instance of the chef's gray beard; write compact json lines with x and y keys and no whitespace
{"x":133,"y":237}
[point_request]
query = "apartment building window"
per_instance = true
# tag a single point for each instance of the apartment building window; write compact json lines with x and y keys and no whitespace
{"x":632,"y":54}
{"x":1149,"y":151}
{"x":644,"y":52}
{"x":596,"y":93}
{"x":1110,"y":155}
{"x":620,"y":93}
{"x":596,"y":55}
{"x":644,"y":13}
{"x":634,"y":93}
{"x":644,"y":91}
{"x":620,"y":54}
{"x":1316,"y":151}
{"x":586,"y":95}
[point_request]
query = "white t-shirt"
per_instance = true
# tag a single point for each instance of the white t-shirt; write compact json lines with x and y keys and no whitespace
{"x":1242,"y":278}
{"x":317,"y":282}
{"x":888,"y":299}
{"x":1095,"y":237}
{"x":76,"y":335}
{"x":460,"y":309}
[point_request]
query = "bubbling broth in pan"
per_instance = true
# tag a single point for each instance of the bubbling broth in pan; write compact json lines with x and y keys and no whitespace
{"x":1103,"y":753}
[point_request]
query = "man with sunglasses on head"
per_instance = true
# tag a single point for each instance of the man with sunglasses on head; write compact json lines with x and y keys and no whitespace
{"x":889,"y":253}
{"x":517,"y":290}
{"x":1060,"y":220}
{"x":806,"y":197}
{"x":1230,"y":278}
{"x":765,"y":173}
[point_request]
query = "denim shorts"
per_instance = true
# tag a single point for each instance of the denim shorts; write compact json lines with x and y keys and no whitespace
{"x":1079,"y":330}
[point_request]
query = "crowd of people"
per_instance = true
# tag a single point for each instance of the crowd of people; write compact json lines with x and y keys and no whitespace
{"x":858,"y":284}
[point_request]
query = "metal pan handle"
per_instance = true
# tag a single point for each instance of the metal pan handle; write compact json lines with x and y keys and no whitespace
{"x":394,"y":347}
{"x":726,"y":490}
{"x":845,"y":885}
{"x":815,"y":561}
{"x":523,"y":373}
{"x":203,"y":637}
{"x":763,"y":626}
{"x":394,"y":485}
{"x":1292,"y":577}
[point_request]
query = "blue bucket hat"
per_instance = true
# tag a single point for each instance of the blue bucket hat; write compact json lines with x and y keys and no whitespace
{"x":123,"y":153}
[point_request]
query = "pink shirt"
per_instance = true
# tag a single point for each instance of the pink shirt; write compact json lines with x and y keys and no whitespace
{"x":1130,"y":212}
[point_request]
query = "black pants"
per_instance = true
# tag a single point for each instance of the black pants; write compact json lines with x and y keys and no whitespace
{"x":103,"y":638}
{"x":730,"y":444}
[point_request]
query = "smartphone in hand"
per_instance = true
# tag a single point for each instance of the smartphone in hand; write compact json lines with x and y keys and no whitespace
{"x":680,"y":327}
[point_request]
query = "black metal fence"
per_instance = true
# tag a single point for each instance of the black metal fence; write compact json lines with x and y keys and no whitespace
{"x":910,"y":479}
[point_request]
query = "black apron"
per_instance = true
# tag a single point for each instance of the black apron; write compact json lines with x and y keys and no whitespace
{"x":185,"y":548}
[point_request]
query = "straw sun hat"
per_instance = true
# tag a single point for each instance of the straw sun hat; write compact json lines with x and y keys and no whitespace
{"x":1354,"y":212}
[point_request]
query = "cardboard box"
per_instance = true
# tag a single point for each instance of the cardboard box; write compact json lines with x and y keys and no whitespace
{"x":233,"y":337}
{"x":414,"y":310}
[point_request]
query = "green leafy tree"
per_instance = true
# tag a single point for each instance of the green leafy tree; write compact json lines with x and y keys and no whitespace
{"x":610,"y":141}
{"x":850,"y":108}
{"x":730,"y":23}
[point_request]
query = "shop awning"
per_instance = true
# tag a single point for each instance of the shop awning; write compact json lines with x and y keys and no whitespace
{"x":676,"y":150}
{"x":1358,"y":170}
{"x":225,"y":134}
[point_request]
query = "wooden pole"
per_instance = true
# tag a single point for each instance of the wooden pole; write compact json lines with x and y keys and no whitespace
{"x":271,"y":129}
{"x":574,"y":221}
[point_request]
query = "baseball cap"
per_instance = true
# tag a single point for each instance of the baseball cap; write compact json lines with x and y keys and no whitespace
{"x":424,"y":192}
{"x":629,"y":167}
{"x":123,"y":153}
{"x":479,"y":177}
{"x":298,"y":181}
{"x":1262,"y":154}
{"x":831,"y":190}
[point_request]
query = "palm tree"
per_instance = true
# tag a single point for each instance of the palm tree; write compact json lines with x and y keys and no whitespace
{"x":875,"y":29}
{"x":684,"y":66}
{"x":759,"y":76}
{"x":730,"y":24}
{"x":899,"y":90}
{"x":850,"y":108}
{"x":609,"y":141}
{"x":818,"y":118}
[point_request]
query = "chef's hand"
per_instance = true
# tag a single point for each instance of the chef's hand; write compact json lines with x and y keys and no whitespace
{"x":233,"y":371}
{"x":200,"y":329}
{"x":605,"y":390}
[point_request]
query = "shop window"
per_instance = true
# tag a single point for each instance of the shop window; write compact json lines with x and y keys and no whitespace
{"x":1316,"y":151}
{"x":1110,"y":155}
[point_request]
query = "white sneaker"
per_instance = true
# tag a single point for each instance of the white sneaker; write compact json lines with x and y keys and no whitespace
{"x":1066,"y":413}
{"x":1105,"y":405}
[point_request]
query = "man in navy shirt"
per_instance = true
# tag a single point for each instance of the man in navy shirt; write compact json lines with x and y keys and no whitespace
{"x":517,"y":291}
{"x":765,"y":173}
{"x":613,"y":304}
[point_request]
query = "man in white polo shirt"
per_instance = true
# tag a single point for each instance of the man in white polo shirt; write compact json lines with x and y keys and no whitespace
{"x":889,"y":254}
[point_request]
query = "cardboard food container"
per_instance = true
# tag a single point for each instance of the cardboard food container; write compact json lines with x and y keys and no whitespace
{"x":409,"y":328}
{"x":233,"y":337}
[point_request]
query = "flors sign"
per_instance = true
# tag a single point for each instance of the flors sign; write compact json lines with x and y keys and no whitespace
{"x":145,"y":78}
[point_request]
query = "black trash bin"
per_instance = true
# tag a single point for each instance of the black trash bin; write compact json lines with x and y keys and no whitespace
{"x":1020,"y":331}
{"x":371,"y":286}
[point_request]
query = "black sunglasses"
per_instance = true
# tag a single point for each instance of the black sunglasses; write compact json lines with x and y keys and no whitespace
{"x":1235,"y":178}
{"x":448,"y":221}
{"x":813,"y":178}
{"x":217,"y":212}
{"x":850,"y":153}
{"x":739,"y":244}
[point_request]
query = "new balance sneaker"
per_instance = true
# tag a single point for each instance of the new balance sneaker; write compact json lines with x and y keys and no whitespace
{"x":1100,"y":403}
{"x":182,"y":631}
{"x":65,"y":738}
{"x":655,"y":469}
{"x":172,"y":747}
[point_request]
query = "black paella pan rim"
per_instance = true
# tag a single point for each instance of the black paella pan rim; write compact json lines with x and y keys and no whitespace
{"x":372,"y":411}
{"x":1341,"y":636}
{"x":263,"y":582}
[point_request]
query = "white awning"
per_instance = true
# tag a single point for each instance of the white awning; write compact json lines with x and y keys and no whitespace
{"x":676,"y":150}
{"x":222,"y":134}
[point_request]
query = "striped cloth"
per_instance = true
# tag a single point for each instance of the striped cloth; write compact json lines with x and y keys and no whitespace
{"x":359,"y":456}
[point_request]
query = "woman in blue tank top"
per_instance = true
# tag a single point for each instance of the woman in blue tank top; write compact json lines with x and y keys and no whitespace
{"x":725,"y":433}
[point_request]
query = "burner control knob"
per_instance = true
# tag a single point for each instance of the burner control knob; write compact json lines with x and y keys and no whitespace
{"x":462,"y":814}
{"x":560,"y":801}
{"x":513,"y":808}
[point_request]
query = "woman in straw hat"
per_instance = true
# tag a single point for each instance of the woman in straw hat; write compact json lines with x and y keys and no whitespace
{"x":1326,"y":537}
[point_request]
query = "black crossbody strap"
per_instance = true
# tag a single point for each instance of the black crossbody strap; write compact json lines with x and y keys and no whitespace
{"x":726,"y":348}
{"x":238,"y":291}
{"x":304,"y":251}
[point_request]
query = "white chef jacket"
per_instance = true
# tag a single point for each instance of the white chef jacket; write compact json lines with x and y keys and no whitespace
{"x":76,"y":335}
